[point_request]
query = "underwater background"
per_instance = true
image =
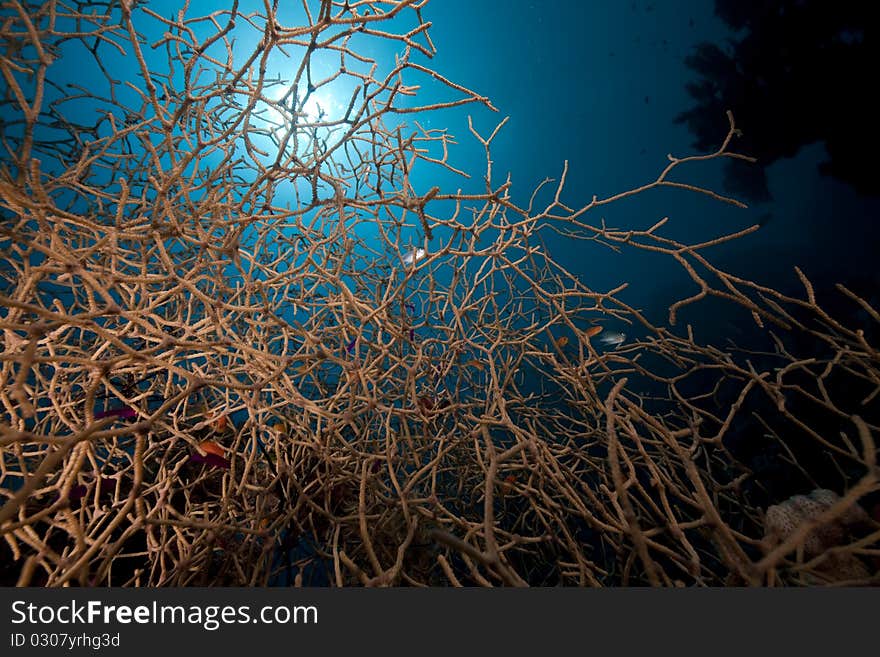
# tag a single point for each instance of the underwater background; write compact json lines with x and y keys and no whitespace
{"x":604,"y":85}
{"x":600,"y":90}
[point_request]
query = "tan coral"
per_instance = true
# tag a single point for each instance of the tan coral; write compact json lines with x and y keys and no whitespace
{"x":782,"y":520}
{"x":839,"y":568}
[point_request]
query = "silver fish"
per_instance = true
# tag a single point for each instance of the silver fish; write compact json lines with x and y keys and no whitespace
{"x":414,"y":256}
{"x":612,"y":338}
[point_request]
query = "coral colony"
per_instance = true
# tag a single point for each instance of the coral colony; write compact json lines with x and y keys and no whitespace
{"x":224,"y":362}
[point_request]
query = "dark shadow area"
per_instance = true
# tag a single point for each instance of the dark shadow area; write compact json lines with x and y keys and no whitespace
{"x":797,"y":72}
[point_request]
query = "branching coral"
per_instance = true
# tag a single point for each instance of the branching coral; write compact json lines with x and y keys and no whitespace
{"x":203,"y":259}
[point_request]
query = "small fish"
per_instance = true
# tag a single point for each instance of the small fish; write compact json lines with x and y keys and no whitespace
{"x":414,"y":256}
{"x":351,"y":345}
{"x":116,"y":412}
{"x":77,"y":493}
{"x":220,"y":423}
{"x":613,"y":339}
{"x":592,"y":331}
{"x":107,"y":486}
{"x":475,"y":364}
{"x":410,"y":307}
{"x":412,"y":335}
{"x":506,"y":486}
{"x":210,"y":447}
{"x":428,"y":403}
{"x":210,"y":459}
{"x":561,"y":342}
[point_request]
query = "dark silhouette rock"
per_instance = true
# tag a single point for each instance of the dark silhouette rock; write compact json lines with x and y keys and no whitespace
{"x":795,"y":73}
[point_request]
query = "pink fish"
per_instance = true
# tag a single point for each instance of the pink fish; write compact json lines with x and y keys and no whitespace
{"x":106,"y":488}
{"x":123,"y":411}
{"x":210,"y":459}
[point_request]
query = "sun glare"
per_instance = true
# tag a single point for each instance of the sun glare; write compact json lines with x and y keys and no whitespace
{"x":320,"y":106}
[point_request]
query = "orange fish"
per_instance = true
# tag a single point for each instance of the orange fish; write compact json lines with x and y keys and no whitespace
{"x":592,"y":331}
{"x":507,"y":485}
{"x":213,"y":455}
{"x":474,"y":363}
{"x":561,"y":342}
{"x":220,"y":423}
{"x":210,"y":447}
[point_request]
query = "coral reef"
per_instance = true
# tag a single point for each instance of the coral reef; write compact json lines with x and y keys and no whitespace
{"x":803,"y":514}
{"x":259,"y":327}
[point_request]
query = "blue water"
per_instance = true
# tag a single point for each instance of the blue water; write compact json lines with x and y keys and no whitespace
{"x":597,"y":84}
